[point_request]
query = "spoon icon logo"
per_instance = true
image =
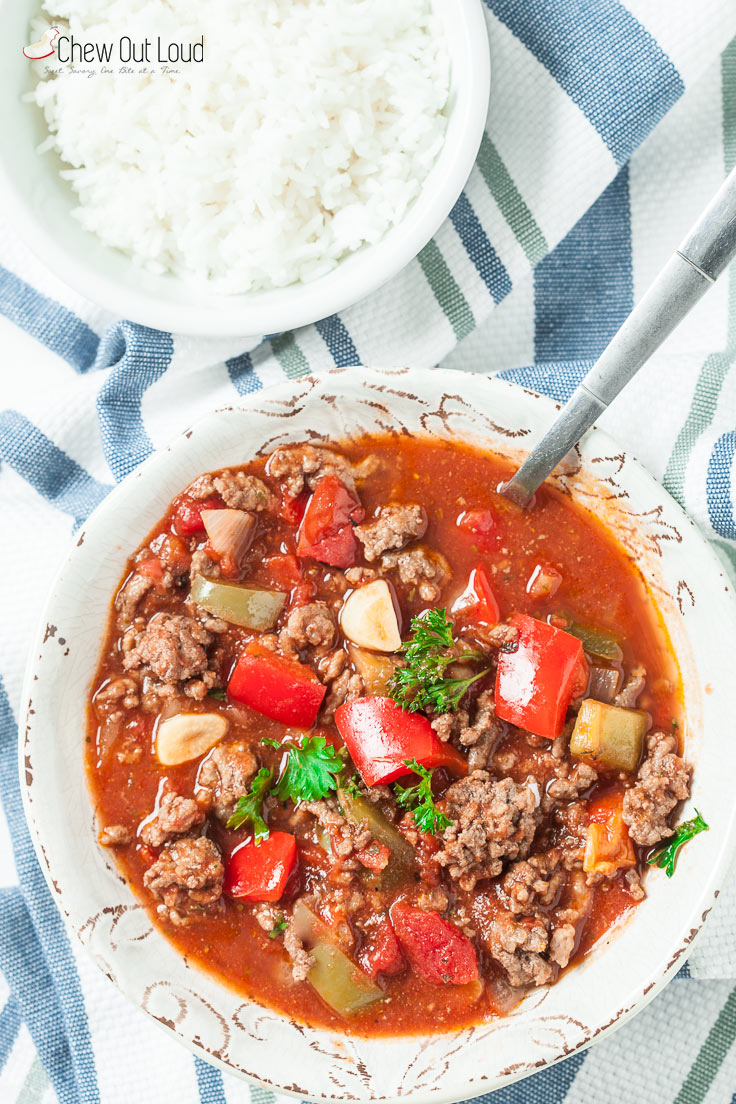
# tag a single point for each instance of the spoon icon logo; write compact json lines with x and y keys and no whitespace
{"x":44,"y":47}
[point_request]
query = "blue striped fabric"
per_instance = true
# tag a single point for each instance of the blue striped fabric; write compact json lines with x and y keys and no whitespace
{"x":209,"y":1082}
{"x":242,"y":375}
{"x":548,"y":1087}
{"x":50,"y":322}
{"x":35,"y":955}
{"x":47,"y":467}
{"x":608,"y":64}
{"x":487,"y":262}
{"x":719,"y":485}
{"x":10,"y":1021}
{"x":584,"y":289}
{"x":334,"y":333}
{"x":142,"y":356}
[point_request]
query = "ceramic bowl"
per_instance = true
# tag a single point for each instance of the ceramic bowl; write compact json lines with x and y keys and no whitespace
{"x":625,"y":969}
{"x":40,"y":204}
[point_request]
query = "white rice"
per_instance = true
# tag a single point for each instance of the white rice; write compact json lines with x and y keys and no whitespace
{"x":306,"y":133}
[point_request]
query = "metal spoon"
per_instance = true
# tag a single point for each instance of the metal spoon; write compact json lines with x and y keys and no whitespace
{"x":690,"y":271}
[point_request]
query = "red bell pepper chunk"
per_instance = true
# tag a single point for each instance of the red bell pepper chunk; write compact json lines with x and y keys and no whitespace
{"x":381,"y":736}
{"x":260,"y":871}
{"x":437,"y":950}
{"x":384,"y":954}
{"x":188,"y":515}
{"x":477,"y":602}
{"x":326,"y":532}
{"x":536,"y":681}
{"x":483,"y":526}
{"x":282,"y":689}
{"x":151,"y":567}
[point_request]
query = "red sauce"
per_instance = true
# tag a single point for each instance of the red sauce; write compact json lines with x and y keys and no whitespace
{"x":600,"y":586}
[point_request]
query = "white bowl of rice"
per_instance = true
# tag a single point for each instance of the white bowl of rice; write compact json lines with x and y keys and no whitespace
{"x":232,"y":169}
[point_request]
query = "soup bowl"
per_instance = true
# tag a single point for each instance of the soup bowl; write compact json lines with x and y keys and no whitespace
{"x":622,"y":972}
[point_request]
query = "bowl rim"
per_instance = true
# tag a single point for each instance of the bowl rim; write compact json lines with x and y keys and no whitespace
{"x":657,"y":976}
{"x":274,"y":310}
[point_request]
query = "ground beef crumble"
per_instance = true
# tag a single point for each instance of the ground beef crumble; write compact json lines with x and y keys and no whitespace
{"x":115,"y":835}
{"x":130,"y":594}
{"x":171,"y":649}
{"x":175,"y":816}
{"x":662,"y":783}
{"x":304,"y":465}
{"x":492,"y":821}
{"x":301,"y":961}
{"x":307,"y":626}
{"x":534,"y":883}
{"x":420,"y":567}
{"x":223,"y":777}
{"x":520,"y":946}
{"x":393,"y":528}
{"x":237,"y":490}
{"x":186,"y":878}
{"x":628,"y":695}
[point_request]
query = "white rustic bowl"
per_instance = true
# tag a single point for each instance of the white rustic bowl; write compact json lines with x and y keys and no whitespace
{"x":625,"y":970}
{"x":40,"y":203}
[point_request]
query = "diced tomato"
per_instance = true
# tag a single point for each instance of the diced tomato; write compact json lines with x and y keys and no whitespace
{"x":425,"y":847}
{"x":535,"y":682}
{"x":477,"y":603}
{"x":283,"y":689}
{"x":383,"y":954}
{"x":188,"y":515}
{"x":374,"y":857}
{"x":285,"y":572}
{"x":260,"y":871}
{"x":292,"y":508}
{"x":437,"y":950}
{"x":544,"y":581}
{"x":151,"y":567}
{"x":174,"y":554}
{"x":482,"y":525}
{"x":381,"y":736}
{"x":326,"y":532}
{"x":608,"y":846}
{"x":229,"y":569}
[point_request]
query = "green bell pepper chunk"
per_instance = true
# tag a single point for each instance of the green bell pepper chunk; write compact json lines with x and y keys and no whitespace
{"x":402,"y":864}
{"x":608,"y":735}
{"x":339,"y":982}
{"x":250,"y":607}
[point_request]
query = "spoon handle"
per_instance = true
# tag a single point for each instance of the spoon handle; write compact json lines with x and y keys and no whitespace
{"x":691,"y":270}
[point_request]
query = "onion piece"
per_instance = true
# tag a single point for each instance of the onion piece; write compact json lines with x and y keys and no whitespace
{"x":230,"y":532}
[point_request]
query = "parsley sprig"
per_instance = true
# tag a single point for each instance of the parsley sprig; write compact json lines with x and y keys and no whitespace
{"x":278,"y":928}
{"x":666,"y":857}
{"x":423,"y":682}
{"x":311,"y":769}
{"x":419,"y":798}
{"x":249,"y":806}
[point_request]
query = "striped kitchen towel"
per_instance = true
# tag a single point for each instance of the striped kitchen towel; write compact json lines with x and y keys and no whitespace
{"x":610,"y":126}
